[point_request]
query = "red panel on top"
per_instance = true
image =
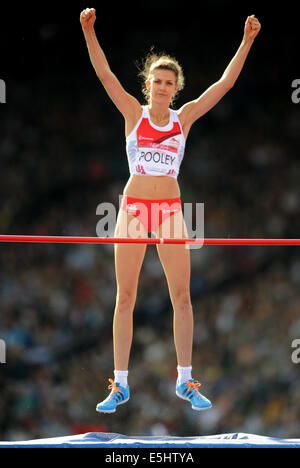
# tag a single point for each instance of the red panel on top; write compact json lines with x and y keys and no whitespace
{"x":149,"y":137}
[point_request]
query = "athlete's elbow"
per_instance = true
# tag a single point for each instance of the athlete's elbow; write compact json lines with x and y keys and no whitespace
{"x":103,"y":74}
{"x":227,"y":84}
{"x":102,"y":77}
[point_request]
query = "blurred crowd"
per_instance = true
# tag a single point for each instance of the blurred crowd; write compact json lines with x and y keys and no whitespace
{"x":62,"y":153}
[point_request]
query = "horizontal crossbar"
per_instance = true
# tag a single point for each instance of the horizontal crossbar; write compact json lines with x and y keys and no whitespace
{"x":125,"y":240}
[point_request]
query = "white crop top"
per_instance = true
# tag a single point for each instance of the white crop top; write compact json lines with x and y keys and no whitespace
{"x":154,"y":150}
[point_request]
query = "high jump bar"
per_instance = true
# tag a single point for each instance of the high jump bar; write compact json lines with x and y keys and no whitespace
{"x":125,"y":240}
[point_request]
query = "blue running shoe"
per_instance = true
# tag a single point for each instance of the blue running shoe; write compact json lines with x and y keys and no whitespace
{"x":189,"y":391}
{"x":117,"y":396}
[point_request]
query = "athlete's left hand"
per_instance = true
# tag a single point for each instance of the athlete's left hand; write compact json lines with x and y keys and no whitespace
{"x":252,"y":28}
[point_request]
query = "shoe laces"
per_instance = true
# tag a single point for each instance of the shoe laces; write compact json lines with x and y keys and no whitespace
{"x":195,"y":387}
{"x":114,"y":387}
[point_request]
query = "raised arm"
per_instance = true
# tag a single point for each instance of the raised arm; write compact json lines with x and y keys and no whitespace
{"x":127,"y":104}
{"x":193,"y":110}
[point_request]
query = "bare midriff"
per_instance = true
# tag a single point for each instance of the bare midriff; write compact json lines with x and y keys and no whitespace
{"x":152,"y":187}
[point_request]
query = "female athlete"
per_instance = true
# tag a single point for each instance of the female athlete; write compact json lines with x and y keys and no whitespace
{"x":155,"y":140}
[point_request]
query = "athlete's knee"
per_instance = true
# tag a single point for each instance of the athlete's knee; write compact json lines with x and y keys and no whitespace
{"x":125,"y":302}
{"x":182,"y":302}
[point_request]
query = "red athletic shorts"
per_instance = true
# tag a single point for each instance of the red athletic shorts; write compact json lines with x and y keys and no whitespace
{"x":151,"y":213}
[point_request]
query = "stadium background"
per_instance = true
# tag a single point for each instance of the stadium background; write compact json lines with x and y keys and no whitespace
{"x":62,"y":153}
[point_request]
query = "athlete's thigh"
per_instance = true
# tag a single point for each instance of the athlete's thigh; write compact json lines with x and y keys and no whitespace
{"x":128,"y":257}
{"x":175,"y":259}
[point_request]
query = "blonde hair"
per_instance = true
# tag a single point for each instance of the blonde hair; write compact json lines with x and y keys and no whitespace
{"x":161,"y":61}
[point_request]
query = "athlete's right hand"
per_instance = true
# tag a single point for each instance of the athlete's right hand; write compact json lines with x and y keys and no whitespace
{"x":88,"y":18}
